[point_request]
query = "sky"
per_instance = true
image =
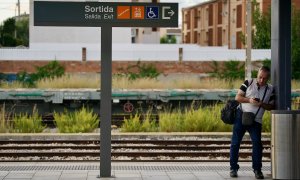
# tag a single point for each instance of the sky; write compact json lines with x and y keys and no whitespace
{"x":8,"y":8}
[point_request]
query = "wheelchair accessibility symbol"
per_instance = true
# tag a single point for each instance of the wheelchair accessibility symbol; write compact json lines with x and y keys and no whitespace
{"x":152,"y":12}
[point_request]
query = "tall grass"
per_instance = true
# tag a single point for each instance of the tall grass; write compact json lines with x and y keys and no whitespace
{"x":122,"y":82}
{"x":295,"y":84}
{"x":13,"y":85}
{"x":179,"y":83}
{"x":206,"y":119}
{"x":171,"y":121}
{"x":140,"y":83}
{"x":203,"y":119}
{"x":266,"y":122}
{"x":70,"y":81}
{"x":80,"y":121}
{"x":204,"y":83}
{"x":5,"y":125}
{"x":132,"y":124}
{"x":149,"y":123}
{"x":24,"y":123}
{"x":135,"y":124}
{"x":93,"y":81}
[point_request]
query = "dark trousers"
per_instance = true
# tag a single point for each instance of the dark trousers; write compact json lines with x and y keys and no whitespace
{"x":237,"y":136}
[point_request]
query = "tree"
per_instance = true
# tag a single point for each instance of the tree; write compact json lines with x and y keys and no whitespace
{"x":168,"y":40}
{"x":7,"y":33}
{"x":295,"y":43}
{"x":8,"y":40}
{"x":9,"y":26}
{"x":10,"y":29}
{"x":22,"y":27}
{"x":262,"y":35}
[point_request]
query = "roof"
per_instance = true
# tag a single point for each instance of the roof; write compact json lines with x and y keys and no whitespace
{"x":200,"y":4}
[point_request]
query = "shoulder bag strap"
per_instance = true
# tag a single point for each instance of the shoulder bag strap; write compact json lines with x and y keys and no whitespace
{"x":262,"y":99}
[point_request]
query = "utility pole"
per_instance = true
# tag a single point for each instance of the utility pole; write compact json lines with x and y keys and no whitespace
{"x":18,"y":4}
{"x":16,"y":17}
{"x":248,"y":39}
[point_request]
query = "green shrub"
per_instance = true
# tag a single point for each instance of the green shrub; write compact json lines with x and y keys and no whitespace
{"x":2,"y":77}
{"x":51,"y":70}
{"x":171,"y":121}
{"x":168,"y":40}
{"x":204,"y":119}
{"x":231,"y":70}
{"x":24,"y":123}
{"x":194,"y":120}
{"x":140,"y":70}
{"x":149,"y":124}
{"x":8,"y":40}
{"x":134,"y":124}
{"x":5,"y":126}
{"x":266,"y":122}
{"x":26,"y":79}
{"x":234,"y":70}
{"x":81,"y":121}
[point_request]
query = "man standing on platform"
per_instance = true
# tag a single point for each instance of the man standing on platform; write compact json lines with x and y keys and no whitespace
{"x":254,"y":96}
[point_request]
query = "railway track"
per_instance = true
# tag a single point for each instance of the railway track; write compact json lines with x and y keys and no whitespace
{"x":205,"y":150}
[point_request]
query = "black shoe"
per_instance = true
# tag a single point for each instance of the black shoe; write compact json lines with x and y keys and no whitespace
{"x":258,"y":174}
{"x":233,"y":173}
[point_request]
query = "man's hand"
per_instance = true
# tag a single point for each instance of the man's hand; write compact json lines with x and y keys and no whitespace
{"x":255,"y":101}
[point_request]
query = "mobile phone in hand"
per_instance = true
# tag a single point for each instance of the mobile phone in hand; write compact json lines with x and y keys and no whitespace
{"x":257,"y":99}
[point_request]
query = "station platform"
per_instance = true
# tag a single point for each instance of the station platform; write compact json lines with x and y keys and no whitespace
{"x":126,"y":171}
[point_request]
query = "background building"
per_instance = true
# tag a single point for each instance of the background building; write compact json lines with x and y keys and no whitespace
{"x":218,"y":22}
{"x":206,"y":23}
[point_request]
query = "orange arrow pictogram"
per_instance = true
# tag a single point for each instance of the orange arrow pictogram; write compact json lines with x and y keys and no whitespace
{"x":123,"y":12}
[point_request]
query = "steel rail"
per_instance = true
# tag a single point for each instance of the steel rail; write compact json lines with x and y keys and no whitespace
{"x":133,"y":150}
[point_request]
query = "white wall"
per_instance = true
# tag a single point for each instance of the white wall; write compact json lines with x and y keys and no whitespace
{"x":134,"y":52}
{"x":147,"y":36}
{"x":66,"y":43}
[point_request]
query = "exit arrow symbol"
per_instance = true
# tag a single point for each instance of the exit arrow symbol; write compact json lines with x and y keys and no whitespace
{"x":167,"y":12}
{"x":171,"y":13}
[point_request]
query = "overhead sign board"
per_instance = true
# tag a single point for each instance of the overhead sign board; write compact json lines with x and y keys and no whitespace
{"x":97,"y":14}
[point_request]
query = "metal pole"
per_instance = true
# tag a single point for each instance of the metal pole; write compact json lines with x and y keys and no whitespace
{"x":19,"y":8}
{"x":105,"y":106}
{"x":281,"y":52}
{"x":249,"y":40}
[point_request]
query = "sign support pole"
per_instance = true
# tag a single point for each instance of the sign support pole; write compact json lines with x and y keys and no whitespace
{"x":105,"y":15}
{"x":105,"y":106}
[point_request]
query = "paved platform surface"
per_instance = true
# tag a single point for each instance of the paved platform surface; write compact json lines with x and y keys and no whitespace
{"x":126,"y":171}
